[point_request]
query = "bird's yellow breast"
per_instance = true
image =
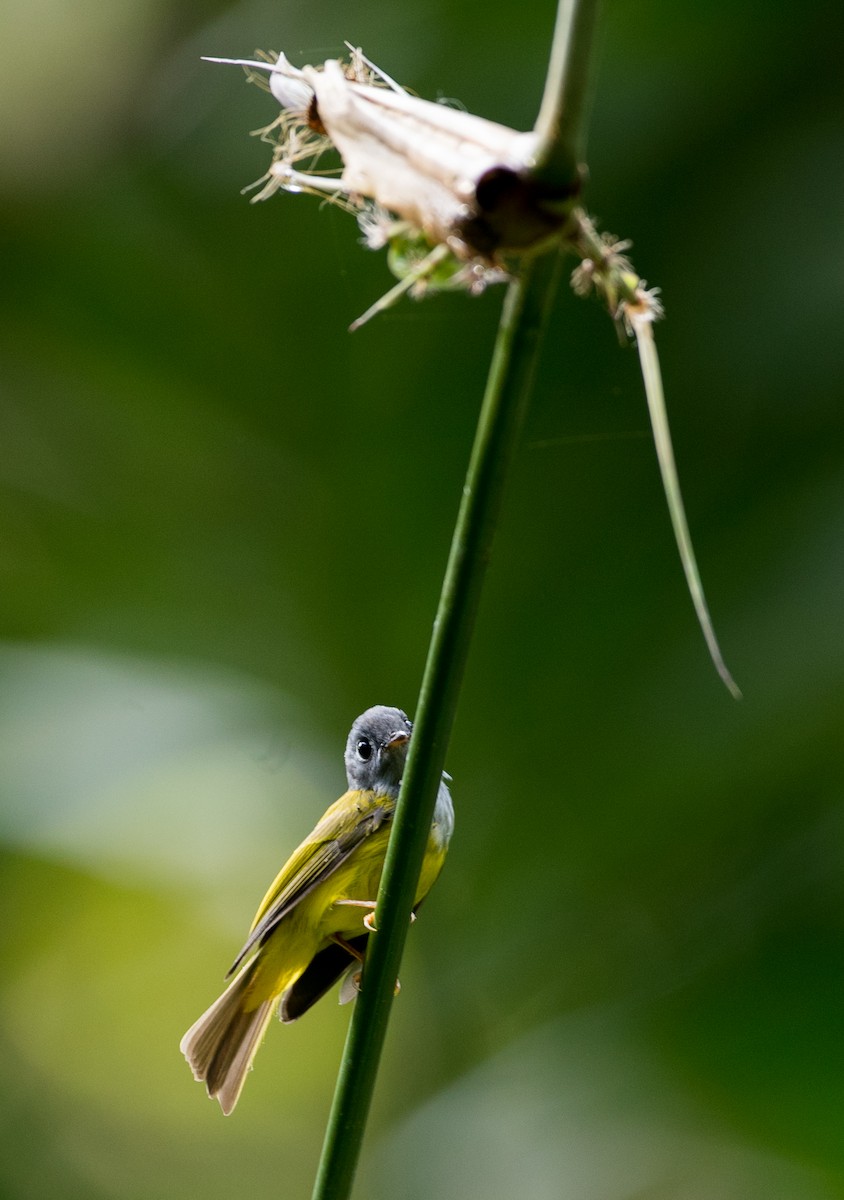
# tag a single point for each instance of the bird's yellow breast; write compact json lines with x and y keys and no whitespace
{"x":320,"y":915}
{"x":358,"y":879}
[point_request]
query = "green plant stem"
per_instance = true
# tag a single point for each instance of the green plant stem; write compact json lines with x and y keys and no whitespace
{"x":561,"y":123}
{"x":508,"y":389}
{"x":634,"y":309}
{"x":507,"y":392}
{"x":652,"y":377}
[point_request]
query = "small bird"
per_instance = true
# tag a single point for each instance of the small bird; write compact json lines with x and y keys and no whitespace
{"x":314,"y":922}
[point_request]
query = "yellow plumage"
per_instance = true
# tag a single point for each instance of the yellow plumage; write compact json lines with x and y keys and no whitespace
{"x":309,"y":928}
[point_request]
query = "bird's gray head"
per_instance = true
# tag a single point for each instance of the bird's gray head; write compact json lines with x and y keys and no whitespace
{"x":377,"y":749}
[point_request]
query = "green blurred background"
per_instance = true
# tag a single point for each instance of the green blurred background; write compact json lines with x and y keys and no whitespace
{"x":223,"y":527}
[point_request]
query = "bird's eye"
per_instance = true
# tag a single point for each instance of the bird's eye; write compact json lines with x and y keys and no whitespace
{"x":364,"y":749}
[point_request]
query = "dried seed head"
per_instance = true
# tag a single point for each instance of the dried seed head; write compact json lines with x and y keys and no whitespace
{"x":447,"y":193}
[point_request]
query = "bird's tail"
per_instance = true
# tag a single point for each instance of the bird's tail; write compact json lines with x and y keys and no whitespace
{"x":220,"y":1046}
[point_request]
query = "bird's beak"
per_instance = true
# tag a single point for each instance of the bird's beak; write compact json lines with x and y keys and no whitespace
{"x":397,"y":739}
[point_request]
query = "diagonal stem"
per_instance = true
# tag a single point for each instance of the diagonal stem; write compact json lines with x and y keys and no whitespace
{"x":561,"y":123}
{"x":508,"y":389}
{"x":652,"y":377}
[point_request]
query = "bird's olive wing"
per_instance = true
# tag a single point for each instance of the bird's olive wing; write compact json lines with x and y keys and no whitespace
{"x":352,"y":819}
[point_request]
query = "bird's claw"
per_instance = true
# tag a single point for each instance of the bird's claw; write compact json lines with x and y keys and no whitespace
{"x":369,"y":921}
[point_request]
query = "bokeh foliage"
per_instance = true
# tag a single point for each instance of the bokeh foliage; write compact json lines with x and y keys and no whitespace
{"x":223,"y":527}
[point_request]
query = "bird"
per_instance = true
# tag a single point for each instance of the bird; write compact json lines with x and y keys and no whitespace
{"x":314,"y":921}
